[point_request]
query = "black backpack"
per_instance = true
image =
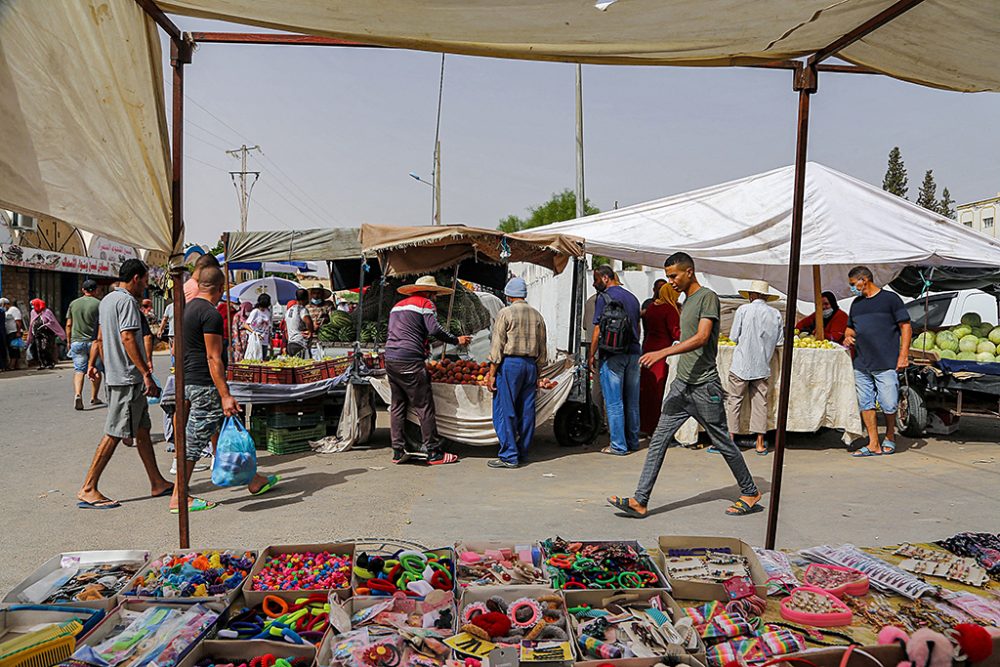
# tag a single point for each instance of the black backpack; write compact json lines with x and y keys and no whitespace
{"x":616,"y":332}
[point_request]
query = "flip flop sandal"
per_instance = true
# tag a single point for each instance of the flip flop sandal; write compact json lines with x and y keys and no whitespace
{"x":444,"y":460}
{"x":611,"y":452}
{"x":864,"y":452}
{"x":622,"y":505}
{"x":197,"y":505}
{"x":762,"y":453}
{"x":888,"y":447}
{"x":99,"y":505}
{"x":272,"y":481}
{"x":164,"y":494}
{"x":743,"y":509}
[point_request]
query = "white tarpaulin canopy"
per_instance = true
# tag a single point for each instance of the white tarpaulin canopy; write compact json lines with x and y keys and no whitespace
{"x":82,"y":122}
{"x":943,"y":43}
{"x":741,"y":229}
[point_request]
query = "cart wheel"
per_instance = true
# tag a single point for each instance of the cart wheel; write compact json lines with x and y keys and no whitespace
{"x":576,"y":426}
{"x":911,"y":415}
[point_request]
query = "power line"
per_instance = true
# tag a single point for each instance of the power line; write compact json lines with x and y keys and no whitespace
{"x":231,"y":128}
{"x":187,"y":133}
{"x":289,"y":202}
{"x":207,"y":164}
{"x":320,"y":208}
{"x":259,"y":204}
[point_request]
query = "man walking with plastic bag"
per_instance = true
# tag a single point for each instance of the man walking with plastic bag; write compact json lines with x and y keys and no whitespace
{"x":207,"y":391}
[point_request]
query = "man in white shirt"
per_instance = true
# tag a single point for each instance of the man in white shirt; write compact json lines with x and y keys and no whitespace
{"x":298,"y":326}
{"x":14,"y":324}
{"x":757,"y":331}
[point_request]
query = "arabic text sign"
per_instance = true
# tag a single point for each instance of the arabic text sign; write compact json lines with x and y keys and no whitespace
{"x":32,"y":258}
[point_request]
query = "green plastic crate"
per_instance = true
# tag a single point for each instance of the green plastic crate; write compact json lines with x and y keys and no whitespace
{"x":293,"y":420}
{"x":293,"y":440}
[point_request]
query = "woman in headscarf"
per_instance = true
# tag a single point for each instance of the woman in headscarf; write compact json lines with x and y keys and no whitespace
{"x":43,"y":328}
{"x":834,"y":320}
{"x":240,"y":330}
{"x":661,"y":325}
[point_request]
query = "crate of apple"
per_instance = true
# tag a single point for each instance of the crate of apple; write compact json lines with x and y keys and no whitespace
{"x":447,"y":371}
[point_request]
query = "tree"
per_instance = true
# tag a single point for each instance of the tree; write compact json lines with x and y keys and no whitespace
{"x":562,"y":206}
{"x":928,"y":190}
{"x":895,"y":180}
{"x":945,"y":206}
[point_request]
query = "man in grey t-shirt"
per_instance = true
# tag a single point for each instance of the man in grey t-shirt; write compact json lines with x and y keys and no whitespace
{"x":129,"y":378}
{"x":696,"y":392}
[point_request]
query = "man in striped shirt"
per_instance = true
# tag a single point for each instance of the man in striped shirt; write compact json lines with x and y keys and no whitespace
{"x":412,"y":322}
{"x":518,"y":350}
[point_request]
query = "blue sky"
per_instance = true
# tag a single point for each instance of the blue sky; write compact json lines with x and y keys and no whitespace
{"x":342,"y":128}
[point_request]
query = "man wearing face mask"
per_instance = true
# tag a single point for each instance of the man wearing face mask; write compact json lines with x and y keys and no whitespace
{"x":879,"y":329}
{"x":518,"y":351}
{"x":319,"y":306}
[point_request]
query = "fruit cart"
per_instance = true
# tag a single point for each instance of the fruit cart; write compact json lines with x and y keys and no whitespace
{"x":463,"y":404}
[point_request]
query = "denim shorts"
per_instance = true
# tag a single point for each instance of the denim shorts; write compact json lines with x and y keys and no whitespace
{"x":880,"y":385}
{"x":80,"y":352}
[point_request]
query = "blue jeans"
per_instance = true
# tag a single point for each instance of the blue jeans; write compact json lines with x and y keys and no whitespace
{"x":881,"y":385}
{"x":514,"y":407}
{"x":620,"y":385}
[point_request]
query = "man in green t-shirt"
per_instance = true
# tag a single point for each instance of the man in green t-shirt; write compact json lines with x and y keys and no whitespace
{"x":696,"y":392}
{"x":81,"y":329}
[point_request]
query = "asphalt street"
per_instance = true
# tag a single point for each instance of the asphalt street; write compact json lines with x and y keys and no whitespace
{"x":930,"y":488}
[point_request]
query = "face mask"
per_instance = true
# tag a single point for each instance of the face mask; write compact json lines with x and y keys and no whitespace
{"x":827,"y":312}
{"x":600,"y":287}
{"x":855,"y":291}
{"x":316,"y":302}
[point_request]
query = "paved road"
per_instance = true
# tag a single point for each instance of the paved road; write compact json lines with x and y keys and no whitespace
{"x":929,"y":489}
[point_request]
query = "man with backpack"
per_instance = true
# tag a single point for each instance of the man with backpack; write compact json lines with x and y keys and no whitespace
{"x":696,"y":392}
{"x":615,"y":347}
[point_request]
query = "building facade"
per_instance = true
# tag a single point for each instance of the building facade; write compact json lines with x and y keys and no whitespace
{"x":980,"y":215}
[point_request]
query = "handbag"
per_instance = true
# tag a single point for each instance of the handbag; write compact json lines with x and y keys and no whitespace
{"x":235,"y":462}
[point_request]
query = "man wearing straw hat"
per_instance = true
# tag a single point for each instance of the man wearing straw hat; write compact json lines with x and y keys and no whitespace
{"x":412,"y":323}
{"x":320,"y":307}
{"x":757,"y":331}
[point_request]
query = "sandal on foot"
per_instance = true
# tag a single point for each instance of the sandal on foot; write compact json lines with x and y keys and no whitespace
{"x":608,"y":450}
{"x":742,"y":508}
{"x":444,"y":459}
{"x":165,"y":493}
{"x":272,"y":481}
{"x":888,"y":447}
{"x":623,"y":505}
{"x":106,"y":504}
{"x":762,"y":452}
{"x":864,"y":452}
{"x":197,"y":505}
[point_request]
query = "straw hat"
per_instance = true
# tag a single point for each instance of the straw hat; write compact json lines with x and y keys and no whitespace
{"x":424,"y":284}
{"x":759,"y":287}
{"x":320,"y":286}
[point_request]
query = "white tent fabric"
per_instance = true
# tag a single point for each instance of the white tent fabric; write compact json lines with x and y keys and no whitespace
{"x":82,"y":120}
{"x":741,"y":229}
{"x":299,"y":244}
{"x":653,"y":32}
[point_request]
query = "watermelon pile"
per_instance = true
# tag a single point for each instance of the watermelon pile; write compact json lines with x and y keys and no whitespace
{"x":972,"y":340}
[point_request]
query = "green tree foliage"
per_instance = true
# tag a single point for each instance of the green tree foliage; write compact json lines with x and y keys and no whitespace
{"x":927,"y":196}
{"x":895,"y":180}
{"x":562,"y":206}
{"x":946,"y":205}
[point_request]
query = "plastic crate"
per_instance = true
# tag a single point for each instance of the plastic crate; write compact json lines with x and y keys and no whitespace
{"x":313,"y":373}
{"x":271,"y":375}
{"x":336,"y":367}
{"x":249,"y":373}
{"x":293,"y":440}
{"x":292,"y":421}
{"x":258,"y":431}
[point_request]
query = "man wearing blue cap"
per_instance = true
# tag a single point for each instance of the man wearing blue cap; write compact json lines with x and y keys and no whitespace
{"x":518,"y":350}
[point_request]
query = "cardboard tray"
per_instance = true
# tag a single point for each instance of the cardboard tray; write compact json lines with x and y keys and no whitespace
{"x":653,"y":565}
{"x":254,"y":598}
{"x":510,"y":594}
{"x":227,"y":598}
{"x":694,"y":590}
{"x":111,"y":621}
{"x":15,"y":621}
{"x":86,"y":557}
{"x":595,"y":598}
{"x":483,"y":545}
{"x":245,"y":650}
{"x":240,"y":603}
{"x":442,"y":552}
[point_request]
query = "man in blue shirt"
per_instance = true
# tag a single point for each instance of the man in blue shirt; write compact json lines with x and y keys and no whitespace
{"x":619,"y":370}
{"x":879,"y":329}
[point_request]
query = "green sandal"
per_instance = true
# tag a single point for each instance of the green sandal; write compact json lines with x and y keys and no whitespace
{"x":197,"y":505}
{"x":272,"y":481}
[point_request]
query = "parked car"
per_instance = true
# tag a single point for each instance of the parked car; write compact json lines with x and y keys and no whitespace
{"x":945,"y":309}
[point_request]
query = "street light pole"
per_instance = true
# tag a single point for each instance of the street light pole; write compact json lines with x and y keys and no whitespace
{"x":437,"y":183}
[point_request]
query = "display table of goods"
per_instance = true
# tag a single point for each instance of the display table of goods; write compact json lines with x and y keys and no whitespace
{"x":681,"y":600}
{"x":288,"y":370}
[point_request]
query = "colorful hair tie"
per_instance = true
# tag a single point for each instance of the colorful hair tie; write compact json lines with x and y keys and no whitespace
{"x":520,"y":604}
{"x":472,"y":610}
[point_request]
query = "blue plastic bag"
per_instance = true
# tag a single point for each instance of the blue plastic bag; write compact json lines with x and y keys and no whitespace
{"x":235,"y":462}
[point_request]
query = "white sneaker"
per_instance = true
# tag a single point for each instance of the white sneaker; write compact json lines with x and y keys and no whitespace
{"x":198,"y":467}
{"x":173,"y":466}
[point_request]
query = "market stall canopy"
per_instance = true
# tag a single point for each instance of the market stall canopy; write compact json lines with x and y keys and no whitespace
{"x":314,"y":245}
{"x":82,"y":120}
{"x":288,"y":266}
{"x":741,"y":229}
{"x":414,"y":250}
{"x":653,"y":32}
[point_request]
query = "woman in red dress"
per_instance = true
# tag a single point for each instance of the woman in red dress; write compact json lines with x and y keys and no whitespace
{"x":661,"y":325}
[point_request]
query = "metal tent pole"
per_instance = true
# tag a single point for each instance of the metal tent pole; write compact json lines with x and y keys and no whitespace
{"x":180,"y":55}
{"x":805,"y":84}
{"x":225,"y":297}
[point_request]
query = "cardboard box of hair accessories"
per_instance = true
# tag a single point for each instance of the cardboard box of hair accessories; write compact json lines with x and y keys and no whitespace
{"x":231,"y":651}
{"x":684,"y":589}
{"x":254,"y":598}
{"x":227,"y":597}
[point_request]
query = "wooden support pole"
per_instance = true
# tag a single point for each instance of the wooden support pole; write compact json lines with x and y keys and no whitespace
{"x":818,"y":299}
